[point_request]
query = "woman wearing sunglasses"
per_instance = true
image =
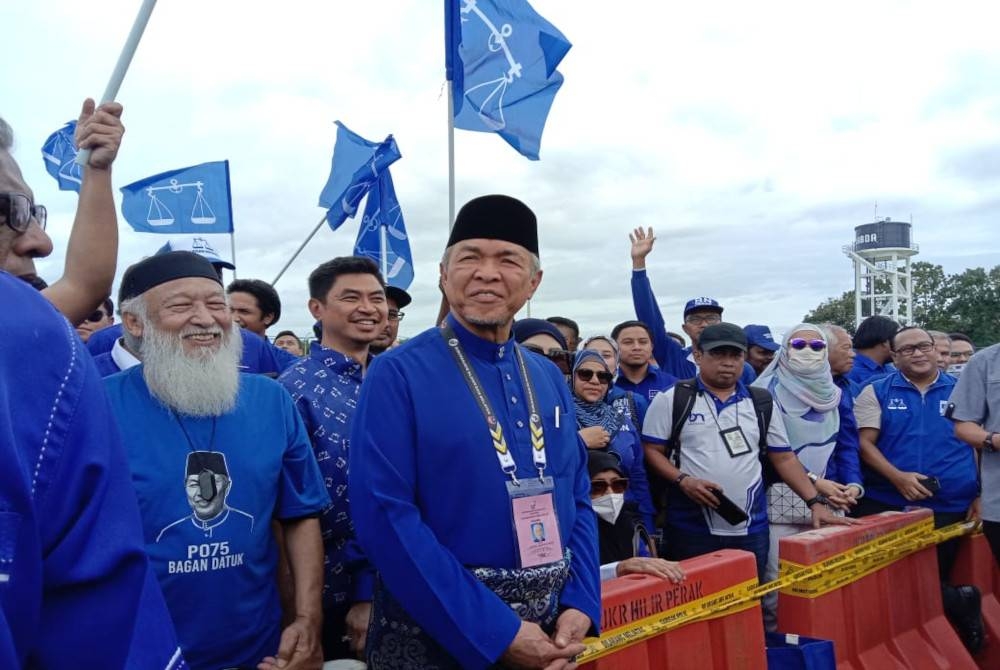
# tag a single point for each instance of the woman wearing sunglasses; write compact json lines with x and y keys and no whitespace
{"x":633,"y":404}
{"x":625,"y":545}
{"x":800,"y":380}
{"x":607,"y":428}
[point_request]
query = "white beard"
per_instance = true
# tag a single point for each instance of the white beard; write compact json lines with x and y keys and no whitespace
{"x":202,"y":384}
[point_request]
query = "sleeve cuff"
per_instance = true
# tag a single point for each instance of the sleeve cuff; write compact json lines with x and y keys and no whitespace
{"x":609,"y":571}
{"x":653,"y":440}
{"x":783,"y":447}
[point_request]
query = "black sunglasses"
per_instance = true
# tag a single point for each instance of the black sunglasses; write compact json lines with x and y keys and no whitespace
{"x":99,"y":315}
{"x":17,"y":211}
{"x":560,"y":357}
{"x":602,"y":377}
{"x":599,"y":487}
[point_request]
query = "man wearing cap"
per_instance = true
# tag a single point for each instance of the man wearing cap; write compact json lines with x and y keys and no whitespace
{"x":699,"y":313}
{"x":760,"y":347}
{"x":396,"y":299}
{"x":544,"y":339}
{"x":258,"y":356}
{"x":460,"y":443}
{"x":187,"y":414}
{"x":718,"y":453}
{"x":347,"y":296}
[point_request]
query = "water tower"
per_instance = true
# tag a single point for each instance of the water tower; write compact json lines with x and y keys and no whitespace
{"x":882,"y":281}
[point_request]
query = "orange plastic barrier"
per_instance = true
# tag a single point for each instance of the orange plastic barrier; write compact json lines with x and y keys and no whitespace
{"x":733,"y":639}
{"x":975,"y":565}
{"x":891,"y":618}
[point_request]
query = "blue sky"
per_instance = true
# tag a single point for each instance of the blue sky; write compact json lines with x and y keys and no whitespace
{"x":752,"y":137}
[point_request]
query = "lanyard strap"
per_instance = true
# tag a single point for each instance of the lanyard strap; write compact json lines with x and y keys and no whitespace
{"x":504,"y":456}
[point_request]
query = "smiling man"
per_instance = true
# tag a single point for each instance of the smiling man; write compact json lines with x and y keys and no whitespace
{"x":348,"y":299}
{"x":462,"y":443}
{"x":187,"y":415}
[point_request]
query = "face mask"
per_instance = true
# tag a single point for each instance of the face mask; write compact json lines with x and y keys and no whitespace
{"x":609,"y":506}
{"x":806,"y":359}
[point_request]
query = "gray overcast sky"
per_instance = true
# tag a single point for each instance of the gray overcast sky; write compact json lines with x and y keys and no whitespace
{"x":753,"y":137}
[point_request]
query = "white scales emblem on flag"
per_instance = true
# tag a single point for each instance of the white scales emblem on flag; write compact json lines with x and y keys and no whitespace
{"x":160,"y":215}
{"x":493,"y":96}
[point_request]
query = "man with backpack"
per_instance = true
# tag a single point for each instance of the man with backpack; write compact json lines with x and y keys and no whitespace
{"x":710,"y":438}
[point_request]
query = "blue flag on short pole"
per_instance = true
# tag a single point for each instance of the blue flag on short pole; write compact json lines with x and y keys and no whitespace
{"x":194,"y":199}
{"x":59,"y":153}
{"x":501,"y":58}
{"x":355,"y":168}
{"x":382,"y":210}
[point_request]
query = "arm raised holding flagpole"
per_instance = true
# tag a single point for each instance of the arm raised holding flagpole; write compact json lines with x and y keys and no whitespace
{"x":124,"y":60}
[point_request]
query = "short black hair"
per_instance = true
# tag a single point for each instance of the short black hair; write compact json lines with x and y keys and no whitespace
{"x":630,"y":324}
{"x":962,"y":337}
{"x":569,"y":323}
{"x":873,"y":331}
{"x":892,"y":340}
{"x":109,"y":306}
{"x":678,"y":337}
{"x":267,"y":298}
{"x":288,"y":332}
{"x":321,"y":279}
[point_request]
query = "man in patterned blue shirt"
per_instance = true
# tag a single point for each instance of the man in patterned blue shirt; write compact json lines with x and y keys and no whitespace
{"x":347,"y":296}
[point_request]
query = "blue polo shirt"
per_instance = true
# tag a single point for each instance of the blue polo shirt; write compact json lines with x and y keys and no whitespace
{"x":916,"y":436}
{"x":865,"y":371}
{"x":656,"y":381}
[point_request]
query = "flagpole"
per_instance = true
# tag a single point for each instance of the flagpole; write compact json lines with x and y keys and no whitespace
{"x":232,"y":247}
{"x":124,"y":60}
{"x":299,"y":250}
{"x":451,"y":158}
{"x":383,"y":238}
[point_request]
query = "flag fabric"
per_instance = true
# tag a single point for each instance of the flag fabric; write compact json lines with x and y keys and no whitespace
{"x":382,"y":210}
{"x":501,"y":57}
{"x":194,"y":199}
{"x":355,"y":168}
{"x":59,"y":153}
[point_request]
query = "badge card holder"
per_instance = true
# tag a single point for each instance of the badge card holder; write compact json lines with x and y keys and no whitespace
{"x":735,"y":441}
{"x":536,"y":525}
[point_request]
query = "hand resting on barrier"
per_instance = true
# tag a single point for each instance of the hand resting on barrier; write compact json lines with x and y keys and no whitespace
{"x":657,"y":567}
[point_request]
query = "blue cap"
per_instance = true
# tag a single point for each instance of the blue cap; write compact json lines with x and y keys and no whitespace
{"x":696,"y":304}
{"x":198,"y":245}
{"x":760,"y":336}
{"x":525,"y":328}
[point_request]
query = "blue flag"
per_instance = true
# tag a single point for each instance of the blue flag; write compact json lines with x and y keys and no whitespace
{"x":382,"y":210}
{"x":59,"y":153}
{"x":194,"y":199}
{"x":501,"y":57}
{"x":355,"y":167}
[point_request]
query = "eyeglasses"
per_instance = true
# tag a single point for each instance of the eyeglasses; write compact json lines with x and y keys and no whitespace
{"x":395,"y":315}
{"x":562,"y":358}
{"x":800,"y":344}
{"x":706,"y":319}
{"x":909,"y":349}
{"x":602,"y":377}
{"x":599,"y":487}
{"x":99,"y":315}
{"x":17,"y":211}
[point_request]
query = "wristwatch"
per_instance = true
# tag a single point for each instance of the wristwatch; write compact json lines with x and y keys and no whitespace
{"x":681,"y":477}
{"x":988,"y":442}
{"x":818,"y":498}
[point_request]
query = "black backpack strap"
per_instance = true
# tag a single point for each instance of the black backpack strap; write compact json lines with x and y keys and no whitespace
{"x":633,"y":410}
{"x":685,"y":392}
{"x":763,"y":407}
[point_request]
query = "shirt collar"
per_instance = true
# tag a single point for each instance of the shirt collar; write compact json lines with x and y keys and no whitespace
{"x":740,"y":393}
{"x":122,"y":357}
{"x":477,"y":346}
{"x":216,"y":520}
{"x":335,"y":360}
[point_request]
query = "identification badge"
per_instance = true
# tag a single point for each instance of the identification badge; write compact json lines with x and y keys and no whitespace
{"x":536,"y":526}
{"x":736,"y":441}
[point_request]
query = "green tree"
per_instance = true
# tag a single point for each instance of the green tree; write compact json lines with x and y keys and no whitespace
{"x":967,"y":302}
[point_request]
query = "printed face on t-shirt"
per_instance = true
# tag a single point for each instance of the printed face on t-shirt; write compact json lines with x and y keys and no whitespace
{"x":202,"y":508}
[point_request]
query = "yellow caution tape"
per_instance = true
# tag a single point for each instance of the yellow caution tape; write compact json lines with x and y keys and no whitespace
{"x":803,"y":581}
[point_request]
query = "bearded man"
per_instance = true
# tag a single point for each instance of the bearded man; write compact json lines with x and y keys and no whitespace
{"x":231,"y":447}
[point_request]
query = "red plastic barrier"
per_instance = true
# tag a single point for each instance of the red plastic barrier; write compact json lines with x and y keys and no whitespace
{"x":735,"y":640}
{"x":889,"y":619}
{"x":975,"y":565}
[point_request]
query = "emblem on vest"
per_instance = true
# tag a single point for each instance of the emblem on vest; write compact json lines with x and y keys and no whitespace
{"x":696,"y":417}
{"x":943,"y":407}
{"x":897,"y":403}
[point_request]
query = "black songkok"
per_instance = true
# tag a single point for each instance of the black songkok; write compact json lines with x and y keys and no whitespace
{"x":160,"y":269}
{"x":214,"y":461}
{"x":496,"y":217}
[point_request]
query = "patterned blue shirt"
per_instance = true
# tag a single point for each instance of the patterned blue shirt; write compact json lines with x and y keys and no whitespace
{"x":324,"y":386}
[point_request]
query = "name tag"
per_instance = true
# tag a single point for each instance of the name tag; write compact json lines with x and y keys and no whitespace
{"x":536,"y":526}
{"x":735,"y":441}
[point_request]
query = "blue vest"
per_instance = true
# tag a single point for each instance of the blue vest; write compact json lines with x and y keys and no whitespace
{"x":915,"y":436}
